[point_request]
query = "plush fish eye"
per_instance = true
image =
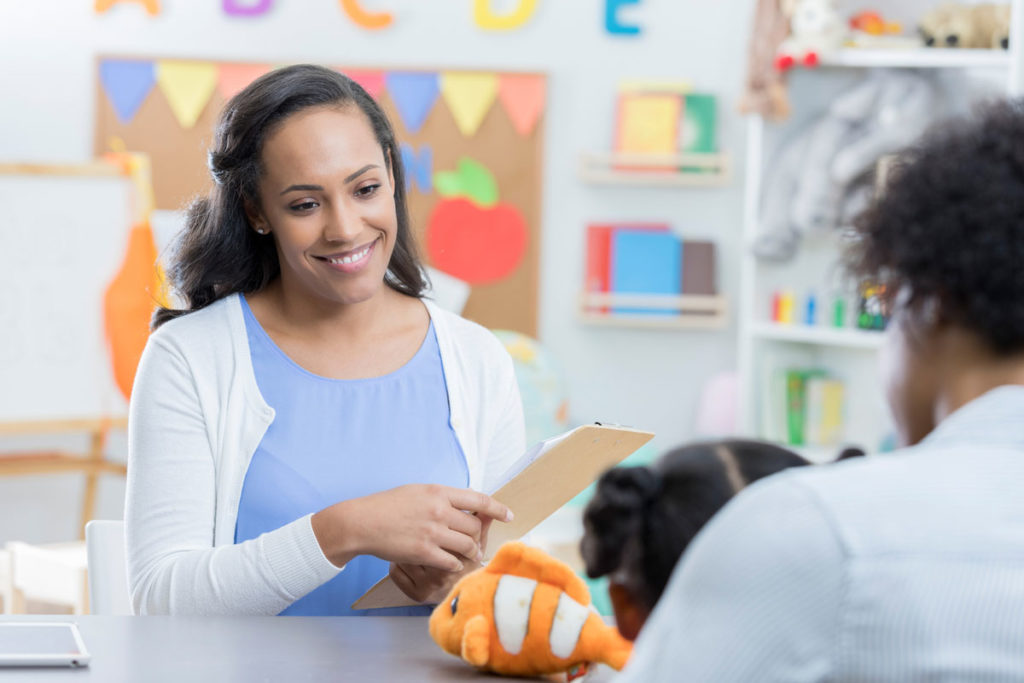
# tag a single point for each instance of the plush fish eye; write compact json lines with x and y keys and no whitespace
{"x":455,"y":605}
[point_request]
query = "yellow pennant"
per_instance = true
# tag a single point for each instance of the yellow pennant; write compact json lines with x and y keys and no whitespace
{"x":187,"y":86}
{"x":469,"y":97}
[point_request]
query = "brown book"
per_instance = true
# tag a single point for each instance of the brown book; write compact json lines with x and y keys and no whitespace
{"x":699,"y":267}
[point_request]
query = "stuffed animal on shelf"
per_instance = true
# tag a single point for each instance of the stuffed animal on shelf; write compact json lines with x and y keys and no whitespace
{"x":874,"y":24}
{"x":967,"y":26}
{"x":525,"y":614}
{"x":822,"y":177}
{"x":994,"y":23}
{"x":765,"y":92}
{"x":815,"y":29}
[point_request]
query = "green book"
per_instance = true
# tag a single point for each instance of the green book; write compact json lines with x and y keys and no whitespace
{"x":796,"y":403}
{"x":699,"y":127}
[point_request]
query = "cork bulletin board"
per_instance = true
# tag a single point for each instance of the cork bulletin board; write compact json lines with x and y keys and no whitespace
{"x":472,"y":142}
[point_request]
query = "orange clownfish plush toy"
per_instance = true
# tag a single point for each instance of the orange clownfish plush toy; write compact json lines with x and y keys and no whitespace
{"x":525,"y":614}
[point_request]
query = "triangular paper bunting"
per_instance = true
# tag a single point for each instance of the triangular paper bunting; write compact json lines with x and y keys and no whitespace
{"x":372,"y":81}
{"x":469,"y":96}
{"x":187,"y":86}
{"x":414,"y":94}
{"x":127,"y":83}
{"x":523,"y":98}
{"x":232,"y":78}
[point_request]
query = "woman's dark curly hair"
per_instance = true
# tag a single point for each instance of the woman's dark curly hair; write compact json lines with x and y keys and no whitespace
{"x":218,"y":252}
{"x":948,"y":229}
{"x":641,"y":519}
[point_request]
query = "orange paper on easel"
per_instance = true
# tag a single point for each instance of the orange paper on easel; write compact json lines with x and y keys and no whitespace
{"x":128,"y":305}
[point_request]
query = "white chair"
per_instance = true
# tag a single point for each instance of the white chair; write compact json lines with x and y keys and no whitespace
{"x":6,"y":587}
{"x":108,"y":578}
{"x":53,"y":574}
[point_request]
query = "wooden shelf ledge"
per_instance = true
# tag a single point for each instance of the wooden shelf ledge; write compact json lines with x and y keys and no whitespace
{"x":687,"y":311}
{"x":714,"y":170}
{"x":70,"y":425}
{"x":55,"y":462}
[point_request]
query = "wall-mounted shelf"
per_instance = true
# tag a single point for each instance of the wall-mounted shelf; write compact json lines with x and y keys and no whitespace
{"x":917,"y":58}
{"x":824,"y":336}
{"x":656,"y":170}
{"x":694,"y":312}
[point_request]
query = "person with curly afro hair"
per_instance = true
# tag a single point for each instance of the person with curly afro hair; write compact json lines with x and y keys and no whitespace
{"x":909,"y":565}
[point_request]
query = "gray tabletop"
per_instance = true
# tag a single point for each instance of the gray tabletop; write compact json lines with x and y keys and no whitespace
{"x":226,"y":649}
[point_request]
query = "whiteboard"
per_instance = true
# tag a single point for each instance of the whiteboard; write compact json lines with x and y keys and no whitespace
{"x":62,"y":239}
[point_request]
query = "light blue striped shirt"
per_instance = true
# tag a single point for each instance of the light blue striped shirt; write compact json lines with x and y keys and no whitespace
{"x":904,"y":567}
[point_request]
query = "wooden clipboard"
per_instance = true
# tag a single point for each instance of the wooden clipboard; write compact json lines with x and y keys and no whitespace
{"x":573,"y":462}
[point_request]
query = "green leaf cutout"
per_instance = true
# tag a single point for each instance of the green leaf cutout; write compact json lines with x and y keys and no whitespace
{"x":471,"y":180}
{"x":448,"y":184}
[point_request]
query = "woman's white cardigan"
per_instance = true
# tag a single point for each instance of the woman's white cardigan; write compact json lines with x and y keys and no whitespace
{"x":195,"y":420}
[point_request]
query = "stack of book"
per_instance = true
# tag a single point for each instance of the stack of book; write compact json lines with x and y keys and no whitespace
{"x":803,"y":407}
{"x":643,"y":258}
{"x":664,"y":119}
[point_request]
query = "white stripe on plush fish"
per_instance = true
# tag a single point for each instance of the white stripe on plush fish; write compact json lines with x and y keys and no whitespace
{"x":512,"y":602}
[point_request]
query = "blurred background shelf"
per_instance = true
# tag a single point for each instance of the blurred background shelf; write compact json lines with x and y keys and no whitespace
{"x":692,"y":312}
{"x":918,"y":58}
{"x":825,"y":336}
{"x":657,"y":170}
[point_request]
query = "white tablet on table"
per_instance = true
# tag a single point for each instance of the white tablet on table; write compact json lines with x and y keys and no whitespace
{"x":30,"y":643}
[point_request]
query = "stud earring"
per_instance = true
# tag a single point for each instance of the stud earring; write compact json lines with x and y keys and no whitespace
{"x":261,"y":231}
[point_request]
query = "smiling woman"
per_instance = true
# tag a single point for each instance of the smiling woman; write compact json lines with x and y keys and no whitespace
{"x":307,"y":410}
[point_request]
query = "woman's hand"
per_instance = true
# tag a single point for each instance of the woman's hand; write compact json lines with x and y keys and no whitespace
{"x":426,"y":584}
{"x":417,"y":524}
{"x":429,"y":585}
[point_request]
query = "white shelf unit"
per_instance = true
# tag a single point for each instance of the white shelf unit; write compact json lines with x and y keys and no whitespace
{"x":819,"y":335}
{"x":852,"y":353}
{"x":917,"y":58}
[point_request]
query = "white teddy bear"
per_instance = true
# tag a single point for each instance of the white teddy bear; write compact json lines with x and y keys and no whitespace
{"x":815,"y":29}
{"x":823,"y":177}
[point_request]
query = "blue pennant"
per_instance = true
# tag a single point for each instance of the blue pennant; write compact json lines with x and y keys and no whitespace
{"x":414,"y":94}
{"x":127,"y":83}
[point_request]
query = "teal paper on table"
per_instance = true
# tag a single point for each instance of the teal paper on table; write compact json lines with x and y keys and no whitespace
{"x":646,"y":262}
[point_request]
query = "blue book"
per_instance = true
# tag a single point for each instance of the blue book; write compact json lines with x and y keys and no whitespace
{"x":646,"y":262}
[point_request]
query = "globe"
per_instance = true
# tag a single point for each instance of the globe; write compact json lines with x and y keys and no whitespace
{"x":541,"y":384}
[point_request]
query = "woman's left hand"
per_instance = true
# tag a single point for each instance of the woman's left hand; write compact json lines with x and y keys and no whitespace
{"x":429,"y":584}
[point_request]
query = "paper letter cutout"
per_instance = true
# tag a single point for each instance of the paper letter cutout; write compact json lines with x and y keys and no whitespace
{"x":152,"y":6}
{"x":253,"y":8}
{"x":371,"y":81}
{"x":523,"y":99}
{"x":231,"y":78}
{"x":188,"y":87}
{"x":368,"y":20}
{"x":469,"y":97}
{"x":489,"y":21}
{"x":611,"y":18}
{"x":127,"y":83}
{"x":418,"y":167}
{"x":414,"y":94}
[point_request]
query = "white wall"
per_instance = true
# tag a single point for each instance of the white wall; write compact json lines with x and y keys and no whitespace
{"x":649,"y":379}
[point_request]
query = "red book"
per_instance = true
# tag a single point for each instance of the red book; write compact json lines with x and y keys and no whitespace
{"x":597,"y":278}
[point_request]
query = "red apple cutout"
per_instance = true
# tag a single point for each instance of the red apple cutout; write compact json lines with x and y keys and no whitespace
{"x":476,"y":244}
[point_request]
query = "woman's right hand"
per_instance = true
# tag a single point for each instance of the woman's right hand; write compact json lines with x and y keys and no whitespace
{"x":424,"y":524}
